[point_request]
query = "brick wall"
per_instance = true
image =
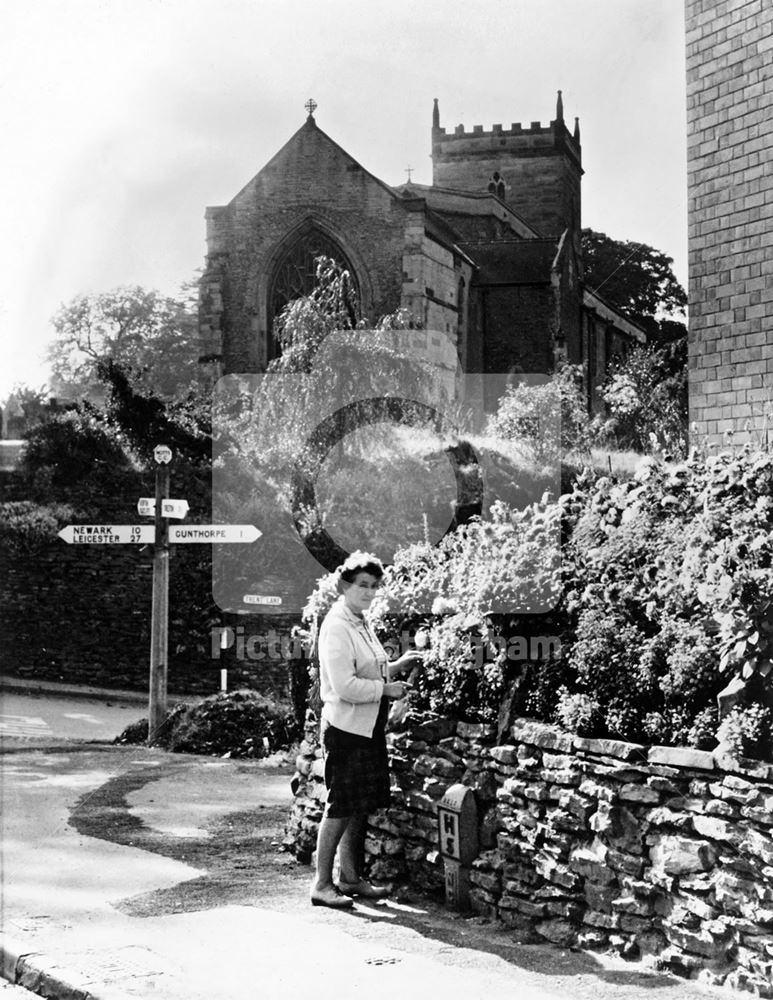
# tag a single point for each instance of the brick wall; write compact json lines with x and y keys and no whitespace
{"x":730,"y":145}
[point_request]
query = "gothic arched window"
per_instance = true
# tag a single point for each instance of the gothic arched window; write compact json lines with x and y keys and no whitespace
{"x":496,"y":185}
{"x":295,"y":273}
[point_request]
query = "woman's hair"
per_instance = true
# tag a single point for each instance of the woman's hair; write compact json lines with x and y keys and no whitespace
{"x":360,"y":562}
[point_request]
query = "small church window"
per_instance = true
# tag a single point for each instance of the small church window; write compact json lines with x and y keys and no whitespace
{"x":496,"y":185}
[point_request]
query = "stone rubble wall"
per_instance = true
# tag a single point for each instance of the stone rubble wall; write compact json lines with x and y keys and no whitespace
{"x":659,"y":853}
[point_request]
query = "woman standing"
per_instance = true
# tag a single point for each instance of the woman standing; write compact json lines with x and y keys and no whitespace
{"x":356,"y":687}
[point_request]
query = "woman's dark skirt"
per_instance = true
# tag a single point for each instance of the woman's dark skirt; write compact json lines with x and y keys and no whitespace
{"x":356,"y":768}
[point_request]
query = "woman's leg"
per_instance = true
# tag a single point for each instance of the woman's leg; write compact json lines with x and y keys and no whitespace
{"x":352,"y":849}
{"x":352,"y":854}
{"x":331,"y":830}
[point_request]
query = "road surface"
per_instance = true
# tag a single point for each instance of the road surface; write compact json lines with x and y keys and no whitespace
{"x":34,"y":718}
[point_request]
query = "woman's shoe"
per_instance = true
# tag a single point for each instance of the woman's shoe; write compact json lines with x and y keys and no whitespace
{"x":364,"y":889}
{"x":330,"y":897}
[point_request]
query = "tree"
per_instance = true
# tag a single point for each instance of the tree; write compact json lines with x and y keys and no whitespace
{"x":639,"y":281}
{"x":153,"y":337}
{"x":633,"y":277}
{"x":143,"y":420}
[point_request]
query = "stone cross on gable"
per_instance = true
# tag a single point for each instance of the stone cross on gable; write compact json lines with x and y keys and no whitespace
{"x":311,"y":106}
{"x":409,"y":171}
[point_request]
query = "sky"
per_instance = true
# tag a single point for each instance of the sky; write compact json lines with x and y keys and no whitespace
{"x":123,"y":119}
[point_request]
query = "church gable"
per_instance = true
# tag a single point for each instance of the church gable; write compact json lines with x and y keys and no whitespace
{"x":312,"y":169}
{"x":312,"y":195}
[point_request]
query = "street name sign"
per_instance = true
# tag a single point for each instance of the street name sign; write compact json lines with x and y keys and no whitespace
{"x":206,"y":534}
{"x":169,"y":507}
{"x":108,"y":534}
{"x":260,"y":599}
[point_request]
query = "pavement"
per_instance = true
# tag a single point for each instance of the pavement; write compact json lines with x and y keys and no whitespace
{"x":130,"y":872}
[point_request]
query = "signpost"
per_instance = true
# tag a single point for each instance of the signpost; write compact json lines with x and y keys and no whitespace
{"x":160,"y":507}
{"x":159,"y":615}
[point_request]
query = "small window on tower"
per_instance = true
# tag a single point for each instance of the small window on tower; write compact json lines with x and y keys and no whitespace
{"x":496,"y":185}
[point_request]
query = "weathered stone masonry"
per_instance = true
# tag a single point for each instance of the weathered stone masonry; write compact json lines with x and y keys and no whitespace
{"x":730,"y":146}
{"x":658,"y":852}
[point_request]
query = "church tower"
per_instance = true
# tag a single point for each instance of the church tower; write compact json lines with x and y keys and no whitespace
{"x":537,"y":170}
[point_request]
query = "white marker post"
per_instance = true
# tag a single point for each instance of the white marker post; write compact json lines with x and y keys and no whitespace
{"x":223,"y":670}
{"x":159,"y":624}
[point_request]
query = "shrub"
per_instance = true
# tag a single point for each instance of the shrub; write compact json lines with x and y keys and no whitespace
{"x":728,"y":562}
{"x":683,"y":658}
{"x":464,"y":674}
{"x":579,"y":713}
{"x":25,"y":525}
{"x":747,"y":732}
{"x":607,"y":665}
{"x":236,"y":724}
{"x":542,"y":686}
{"x":646,"y":403}
{"x":702,"y":731}
{"x":552,"y":418}
{"x":73,"y":453}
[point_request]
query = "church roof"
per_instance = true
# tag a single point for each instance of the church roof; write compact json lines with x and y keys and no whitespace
{"x":593,"y":301}
{"x":453,"y":202}
{"x":512,"y":262}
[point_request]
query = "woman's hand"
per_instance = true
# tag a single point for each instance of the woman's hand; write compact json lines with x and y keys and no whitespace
{"x":407,"y":662}
{"x":396,"y":689}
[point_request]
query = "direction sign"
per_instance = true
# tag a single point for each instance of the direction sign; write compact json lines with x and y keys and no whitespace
{"x":107,"y":534}
{"x":259,"y":599}
{"x":143,"y":534}
{"x":169,"y":507}
{"x":206,"y":534}
{"x":174,"y":508}
{"x":162,"y":454}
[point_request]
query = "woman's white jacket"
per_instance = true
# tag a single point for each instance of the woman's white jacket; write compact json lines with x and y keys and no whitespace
{"x":352,"y":671}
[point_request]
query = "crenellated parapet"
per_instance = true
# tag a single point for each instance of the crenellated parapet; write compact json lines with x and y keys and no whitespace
{"x":517,"y":137}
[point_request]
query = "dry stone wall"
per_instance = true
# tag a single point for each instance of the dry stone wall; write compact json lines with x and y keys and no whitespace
{"x":661,"y":853}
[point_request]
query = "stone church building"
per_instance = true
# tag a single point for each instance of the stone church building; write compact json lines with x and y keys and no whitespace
{"x":489,"y":253}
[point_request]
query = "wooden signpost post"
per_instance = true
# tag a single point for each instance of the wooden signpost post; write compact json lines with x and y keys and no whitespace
{"x":160,"y":508}
{"x":159,"y":614}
